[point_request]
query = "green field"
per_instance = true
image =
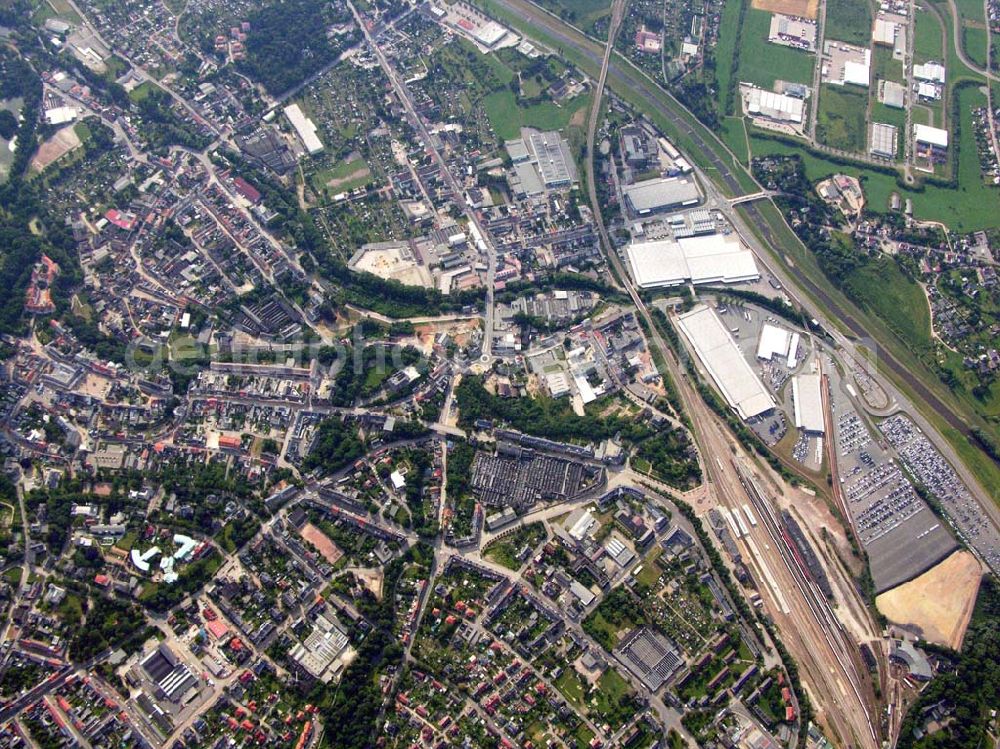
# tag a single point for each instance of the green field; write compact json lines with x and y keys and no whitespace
{"x":928,"y":40}
{"x":725,"y":48}
{"x":841,"y":120}
{"x":507,"y":118}
{"x":734,"y":133}
{"x":886,"y":67}
{"x":354,"y":174}
{"x":974,"y":41}
{"x":763,"y":63}
{"x":882,"y":289}
{"x":581,"y":13}
{"x":849,"y":21}
{"x":974,"y":37}
{"x":970,"y":175}
{"x":142,"y":91}
{"x":971,"y":10}
{"x":922,"y":115}
{"x":610,"y":689}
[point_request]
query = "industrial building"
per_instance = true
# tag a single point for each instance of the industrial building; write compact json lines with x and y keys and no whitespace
{"x":542,"y":161}
{"x":845,"y":63}
{"x":706,"y":258}
{"x":892,"y":94}
{"x":790,"y":31}
{"x":551,"y":152}
{"x":934,"y":137}
{"x":775,"y":341}
{"x":173,"y":679}
{"x":649,"y":656}
{"x":490,"y":34}
{"x":885,"y":32}
{"x":722,"y":358}
{"x":933,"y":72}
{"x":61,"y":115}
{"x":774,"y":106}
{"x":661,"y":194}
{"x":929,"y":91}
{"x":807,"y":400}
{"x":883,"y":140}
{"x":321,"y":648}
{"x":304,"y":128}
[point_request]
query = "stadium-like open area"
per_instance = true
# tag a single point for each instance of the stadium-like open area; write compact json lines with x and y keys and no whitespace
{"x":327,"y":548}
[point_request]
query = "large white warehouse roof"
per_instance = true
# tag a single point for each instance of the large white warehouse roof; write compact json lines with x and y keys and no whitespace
{"x":934,"y":136}
{"x":808,"y":401}
{"x":709,"y":258}
{"x":740,"y":385}
{"x":305,"y":128}
{"x":661,"y":194}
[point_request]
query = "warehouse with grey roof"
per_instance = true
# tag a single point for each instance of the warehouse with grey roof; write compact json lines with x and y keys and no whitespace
{"x":661,"y":194}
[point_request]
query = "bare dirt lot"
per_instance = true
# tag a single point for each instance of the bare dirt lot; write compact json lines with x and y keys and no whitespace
{"x":370,"y":577}
{"x":330,"y":551}
{"x":800,"y":8}
{"x":938,"y":604}
{"x":55,"y":148}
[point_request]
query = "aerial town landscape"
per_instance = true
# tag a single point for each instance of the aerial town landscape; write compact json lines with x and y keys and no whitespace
{"x":518,"y":374}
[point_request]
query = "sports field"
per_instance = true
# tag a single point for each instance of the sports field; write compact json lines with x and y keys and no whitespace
{"x":326,"y":547}
{"x":60,"y":144}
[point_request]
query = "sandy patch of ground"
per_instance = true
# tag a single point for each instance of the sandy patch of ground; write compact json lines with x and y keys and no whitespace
{"x":55,"y":148}
{"x":800,"y":8}
{"x":95,"y":386}
{"x":938,"y":604}
{"x":371,"y":578}
{"x":324,"y":545}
